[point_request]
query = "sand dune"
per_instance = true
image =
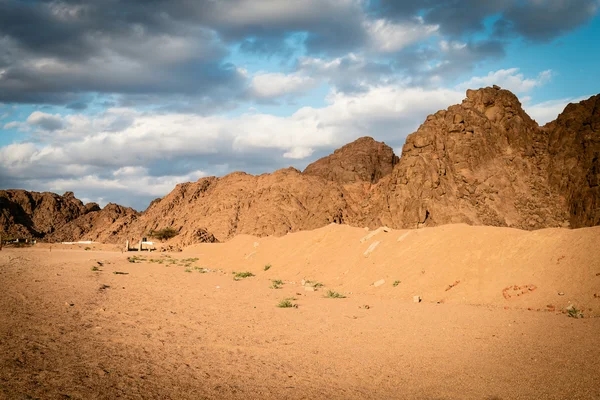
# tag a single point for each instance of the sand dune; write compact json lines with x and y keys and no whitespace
{"x":87,"y":324}
{"x":483,"y":260}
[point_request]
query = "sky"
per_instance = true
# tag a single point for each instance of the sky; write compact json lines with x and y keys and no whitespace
{"x":120,"y":100}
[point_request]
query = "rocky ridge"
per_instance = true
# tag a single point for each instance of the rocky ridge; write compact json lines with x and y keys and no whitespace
{"x":481,"y":162}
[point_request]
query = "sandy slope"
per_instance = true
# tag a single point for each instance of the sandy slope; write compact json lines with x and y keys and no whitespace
{"x":162,"y":333}
{"x":485,"y":260}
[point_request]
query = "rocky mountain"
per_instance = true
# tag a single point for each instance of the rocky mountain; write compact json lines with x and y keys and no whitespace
{"x":363,"y":160}
{"x":33,"y":214}
{"x":481,"y":162}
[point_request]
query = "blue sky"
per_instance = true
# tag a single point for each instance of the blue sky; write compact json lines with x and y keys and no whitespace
{"x":118,"y":101}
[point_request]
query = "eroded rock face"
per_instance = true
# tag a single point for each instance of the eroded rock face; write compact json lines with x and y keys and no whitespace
{"x":33,"y":214}
{"x":268,"y":204}
{"x":574,"y":151}
{"x":100,"y":225}
{"x":484,"y":161}
{"x":364,"y":160}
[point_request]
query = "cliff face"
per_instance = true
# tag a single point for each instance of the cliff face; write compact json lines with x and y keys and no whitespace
{"x":483,"y":162}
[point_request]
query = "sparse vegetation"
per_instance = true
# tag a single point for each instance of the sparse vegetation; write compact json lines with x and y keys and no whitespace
{"x":120,"y":273}
{"x":277,"y":283}
{"x":241,"y":275}
{"x":287,"y":303}
{"x":573,"y":312}
{"x":188,"y":270}
{"x":87,"y":248}
{"x":267,"y":267}
{"x":135,"y":259}
{"x":164,"y":234}
{"x":334,"y":295}
{"x":396,"y":283}
{"x":314,"y":284}
{"x":94,"y":268}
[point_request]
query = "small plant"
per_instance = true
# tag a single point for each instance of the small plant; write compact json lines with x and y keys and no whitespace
{"x":287,"y":303}
{"x":396,"y":283}
{"x":94,"y":268}
{"x":87,"y":248}
{"x":188,"y":270}
{"x":120,"y":273}
{"x":164,"y":234}
{"x":277,"y":283}
{"x":241,"y":275}
{"x":314,"y":284}
{"x":135,"y":259}
{"x":573,"y":312}
{"x":334,"y":295}
{"x":267,"y":267}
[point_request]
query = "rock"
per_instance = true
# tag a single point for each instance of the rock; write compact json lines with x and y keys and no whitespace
{"x":379,"y":283}
{"x":364,"y":160}
{"x":561,"y":294}
{"x":416,"y":299}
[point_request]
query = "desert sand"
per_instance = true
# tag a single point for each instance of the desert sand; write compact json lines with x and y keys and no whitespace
{"x":492,"y":323}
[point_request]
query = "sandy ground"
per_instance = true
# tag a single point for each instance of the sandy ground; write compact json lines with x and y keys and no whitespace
{"x":159,"y":332}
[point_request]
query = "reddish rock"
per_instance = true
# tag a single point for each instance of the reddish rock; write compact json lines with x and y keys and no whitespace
{"x":364,"y":160}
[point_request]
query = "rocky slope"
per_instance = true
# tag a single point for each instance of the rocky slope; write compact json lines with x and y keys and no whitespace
{"x":481,"y":162}
{"x":363,"y":160}
{"x":33,"y":214}
{"x":101,"y":225}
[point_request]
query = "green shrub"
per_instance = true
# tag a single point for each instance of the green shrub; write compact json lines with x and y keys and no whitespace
{"x":241,"y":275}
{"x":277,"y":283}
{"x":267,"y":267}
{"x":334,"y":295}
{"x":164,"y":234}
{"x":287,"y":303}
{"x":396,"y":283}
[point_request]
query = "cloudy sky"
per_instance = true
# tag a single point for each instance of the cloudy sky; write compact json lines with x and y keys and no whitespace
{"x":119,"y":100}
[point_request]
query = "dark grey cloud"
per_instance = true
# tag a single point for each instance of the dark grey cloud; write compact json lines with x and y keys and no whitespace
{"x":77,"y":106}
{"x":545,"y":20}
{"x":55,"y":52}
{"x":540,"y":20}
{"x":52,"y":52}
{"x":447,"y":60}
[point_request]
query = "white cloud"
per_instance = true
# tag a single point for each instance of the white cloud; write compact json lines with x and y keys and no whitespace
{"x":389,"y":37}
{"x":547,"y":111}
{"x":149,"y":154}
{"x":273,"y":85}
{"x":13,"y":124}
{"x":510,"y":79}
{"x":47,"y":122}
{"x":136,"y":185}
